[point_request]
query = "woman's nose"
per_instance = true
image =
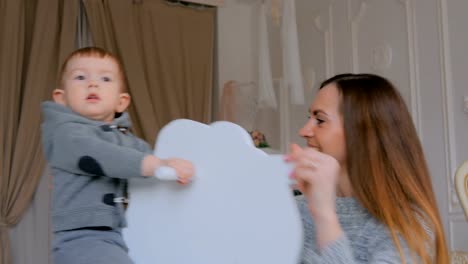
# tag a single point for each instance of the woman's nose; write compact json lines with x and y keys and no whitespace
{"x":307,"y":130}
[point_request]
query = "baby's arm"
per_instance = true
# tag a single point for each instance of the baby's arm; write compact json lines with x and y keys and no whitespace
{"x":78,"y":150}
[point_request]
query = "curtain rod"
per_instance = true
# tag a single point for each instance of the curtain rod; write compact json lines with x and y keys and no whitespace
{"x":216,"y":3}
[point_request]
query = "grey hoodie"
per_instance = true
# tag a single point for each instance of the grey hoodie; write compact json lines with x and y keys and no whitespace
{"x":90,"y":162}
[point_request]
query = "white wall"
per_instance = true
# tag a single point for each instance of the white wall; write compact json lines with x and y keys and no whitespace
{"x":420,"y":45}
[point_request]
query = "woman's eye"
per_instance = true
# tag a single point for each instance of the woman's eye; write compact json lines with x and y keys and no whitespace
{"x":319,"y":121}
{"x":106,"y":79}
{"x":79,"y":77}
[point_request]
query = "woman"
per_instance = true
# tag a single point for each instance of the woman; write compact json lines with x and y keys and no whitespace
{"x":367,"y":193}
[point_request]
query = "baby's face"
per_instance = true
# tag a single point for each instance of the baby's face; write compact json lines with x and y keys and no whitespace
{"x":92,"y":87}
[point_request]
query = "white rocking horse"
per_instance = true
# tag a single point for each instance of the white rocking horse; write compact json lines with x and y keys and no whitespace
{"x":239,"y":208}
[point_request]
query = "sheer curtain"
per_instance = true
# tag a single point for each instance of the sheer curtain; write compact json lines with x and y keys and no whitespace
{"x":167,"y":52}
{"x":34,"y":37}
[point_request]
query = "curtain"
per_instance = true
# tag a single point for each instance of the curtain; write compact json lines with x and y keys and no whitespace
{"x":34,"y":37}
{"x":266,"y":91}
{"x":292,"y":73}
{"x":31,"y":236}
{"x":167,"y":52}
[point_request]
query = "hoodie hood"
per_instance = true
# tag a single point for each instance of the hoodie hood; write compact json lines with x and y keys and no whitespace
{"x":55,"y":114}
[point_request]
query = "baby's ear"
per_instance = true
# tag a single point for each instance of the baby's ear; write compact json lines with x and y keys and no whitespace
{"x":59,"y":96}
{"x":124,"y":102}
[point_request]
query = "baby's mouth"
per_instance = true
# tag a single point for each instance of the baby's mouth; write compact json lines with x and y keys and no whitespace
{"x":92,"y":98}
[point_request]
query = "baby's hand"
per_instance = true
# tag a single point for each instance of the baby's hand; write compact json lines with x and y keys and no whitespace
{"x":183,"y":168}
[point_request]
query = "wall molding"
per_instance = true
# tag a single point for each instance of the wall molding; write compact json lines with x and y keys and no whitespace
{"x":284,"y":118}
{"x":330,"y":44}
{"x":447,"y":101}
{"x":354,"y":21}
{"x":382,"y":57}
{"x":385,"y":49}
{"x":413,"y":56}
{"x":459,"y":219}
{"x":328,"y":39}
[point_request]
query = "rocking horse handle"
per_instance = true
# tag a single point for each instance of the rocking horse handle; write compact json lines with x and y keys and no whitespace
{"x":166,"y":173}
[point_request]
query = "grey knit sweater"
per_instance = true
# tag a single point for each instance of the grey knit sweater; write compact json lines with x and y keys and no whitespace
{"x":365,"y":240}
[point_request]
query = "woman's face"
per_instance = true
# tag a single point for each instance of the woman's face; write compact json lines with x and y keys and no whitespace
{"x":324,"y":130}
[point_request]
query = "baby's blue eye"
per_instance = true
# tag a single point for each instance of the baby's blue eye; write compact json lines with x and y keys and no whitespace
{"x":106,"y":79}
{"x":79,"y":77}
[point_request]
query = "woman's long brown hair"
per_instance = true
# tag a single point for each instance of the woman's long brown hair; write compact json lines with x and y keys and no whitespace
{"x":386,"y":164}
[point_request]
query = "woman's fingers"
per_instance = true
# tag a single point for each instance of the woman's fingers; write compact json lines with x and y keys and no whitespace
{"x":294,"y":151}
{"x":302,"y":186}
{"x":294,"y":148}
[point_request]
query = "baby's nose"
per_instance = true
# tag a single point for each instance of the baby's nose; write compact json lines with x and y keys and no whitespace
{"x":92,"y":82}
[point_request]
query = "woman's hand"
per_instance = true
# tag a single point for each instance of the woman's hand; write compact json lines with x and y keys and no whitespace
{"x":317,"y":176}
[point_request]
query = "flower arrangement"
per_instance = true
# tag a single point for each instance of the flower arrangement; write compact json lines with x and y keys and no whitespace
{"x":259,"y":139}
